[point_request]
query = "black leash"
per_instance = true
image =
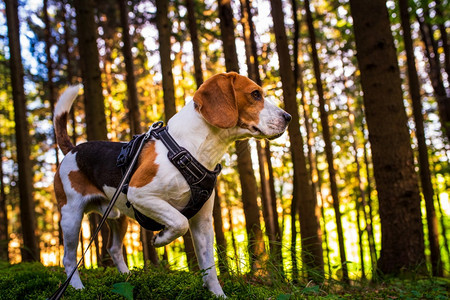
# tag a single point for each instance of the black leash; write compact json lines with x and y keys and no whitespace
{"x":60,"y":291}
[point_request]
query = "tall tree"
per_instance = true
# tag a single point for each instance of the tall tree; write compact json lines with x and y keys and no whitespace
{"x":327,"y":139}
{"x":221,"y":242}
{"x":361,"y":188}
{"x":50,"y":70}
{"x":30,"y":250}
{"x":247,"y":178}
{"x":93,"y":93}
{"x":164,"y":30}
{"x":134,"y":116}
{"x":425,"y":176}
{"x":192,"y":26}
{"x":133,"y":101}
{"x":434,"y":70}
{"x":398,"y":193}
{"x":4,"y":237}
{"x":90,"y":70}
{"x":440,"y":8}
{"x":312,"y":252}
{"x":268,"y":197}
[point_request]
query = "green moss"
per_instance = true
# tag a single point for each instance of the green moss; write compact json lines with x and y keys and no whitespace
{"x":34,"y":281}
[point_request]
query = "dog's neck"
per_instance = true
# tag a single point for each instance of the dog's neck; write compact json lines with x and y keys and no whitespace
{"x":205,"y":142}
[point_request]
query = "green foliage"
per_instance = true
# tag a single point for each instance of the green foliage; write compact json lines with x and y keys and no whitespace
{"x":34,"y":281}
{"x":28,"y":281}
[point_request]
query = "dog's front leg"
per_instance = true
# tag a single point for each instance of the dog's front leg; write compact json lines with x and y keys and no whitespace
{"x":203,"y":236}
{"x":162,"y":212}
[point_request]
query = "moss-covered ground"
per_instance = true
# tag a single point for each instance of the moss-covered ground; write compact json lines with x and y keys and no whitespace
{"x":35,"y":281}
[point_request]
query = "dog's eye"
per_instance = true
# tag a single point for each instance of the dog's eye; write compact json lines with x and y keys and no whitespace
{"x":256,"y":95}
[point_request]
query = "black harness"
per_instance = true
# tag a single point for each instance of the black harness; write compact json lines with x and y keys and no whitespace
{"x":201,"y":180}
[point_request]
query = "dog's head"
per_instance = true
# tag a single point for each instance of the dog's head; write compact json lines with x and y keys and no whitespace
{"x":230,"y":100}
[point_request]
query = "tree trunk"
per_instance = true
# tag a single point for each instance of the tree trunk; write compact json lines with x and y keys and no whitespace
{"x":50,"y":71}
{"x":360,"y":237}
{"x":69,"y":70}
{"x":4,"y":236}
{"x":398,"y":192}
{"x":268,"y":198}
{"x":134,"y":115}
{"x":233,"y":238}
{"x":312,"y":252}
{"x":90,"y":69}
{"x":442,"y":223}
{"x":164,"y":30}
{"x":247,"y":178}
{"x":432,"y":54}
{"x":361,"y":188}
{"x":327,"y":139}
{"x":425,"y":177}
{"x":221,"y":242}
{"x":374,"y":255}
{"x":443,"y":31}
{"x":148,"y":251}
{"x":92,"y":82}
{"x":192,"y":26}
{"x":30,"y":250}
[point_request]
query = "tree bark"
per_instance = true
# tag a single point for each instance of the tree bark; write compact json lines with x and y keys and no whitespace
{"x":327,"y":139}
{"x":134,"y":115}
{"x":398,"y":192}
{"x":90,"y":69}
{"x":4,"y":236}
{"x":164,"y":30}
{"x":268,"y":198}
{"x":192,"y":26}
{"x":312,"y":252}
{"x":30,"y":250}
{"x":50,"y":71}
{"x":247,"y":178}
{"x":374,"y":255}
{"x":93,"y":93}
{"x":221,"y":242}
{"x":432,"y":54}
{"x":70,"y":74}
{"x":444,"y":38}
{"x":425,"y":176}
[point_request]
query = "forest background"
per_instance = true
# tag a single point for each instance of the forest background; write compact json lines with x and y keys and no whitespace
{"x":357,"y":187}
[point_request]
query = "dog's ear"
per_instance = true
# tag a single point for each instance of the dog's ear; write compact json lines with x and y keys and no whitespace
{"x":216,"y":100}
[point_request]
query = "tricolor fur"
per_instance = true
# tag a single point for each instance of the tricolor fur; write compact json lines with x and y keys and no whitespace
{"x":227,"y":107}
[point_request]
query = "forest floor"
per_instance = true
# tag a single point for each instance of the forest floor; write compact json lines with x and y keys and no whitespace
{"x":34,"y":281}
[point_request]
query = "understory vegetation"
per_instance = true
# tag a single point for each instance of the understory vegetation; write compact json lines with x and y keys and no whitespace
{"x":35,"y":281}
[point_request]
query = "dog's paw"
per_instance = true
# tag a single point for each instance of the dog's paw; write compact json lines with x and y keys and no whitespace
{"x":158,"y":240}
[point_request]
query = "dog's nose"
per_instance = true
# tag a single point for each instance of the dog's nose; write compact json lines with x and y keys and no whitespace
{"x":287,"y":117}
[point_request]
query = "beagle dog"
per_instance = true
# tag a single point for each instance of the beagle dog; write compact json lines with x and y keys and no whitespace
{"x":226,"y":107}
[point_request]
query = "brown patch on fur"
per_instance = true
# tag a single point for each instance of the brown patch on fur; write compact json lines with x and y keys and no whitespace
{"x":61,"y":197}
{"x":82,"y":185}
{"x":216,"y":101}
{"x":225,"y":101}
{"x":146,"y":168}
{"x":62,"y":137}
{"x":249,"y":107}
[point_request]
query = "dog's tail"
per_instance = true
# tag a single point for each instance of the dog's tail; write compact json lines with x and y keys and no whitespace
{"x":62,"y":109}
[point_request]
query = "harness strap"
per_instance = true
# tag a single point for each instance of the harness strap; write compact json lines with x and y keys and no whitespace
{"x":201,"y":180}
{"x":127,"y":152}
